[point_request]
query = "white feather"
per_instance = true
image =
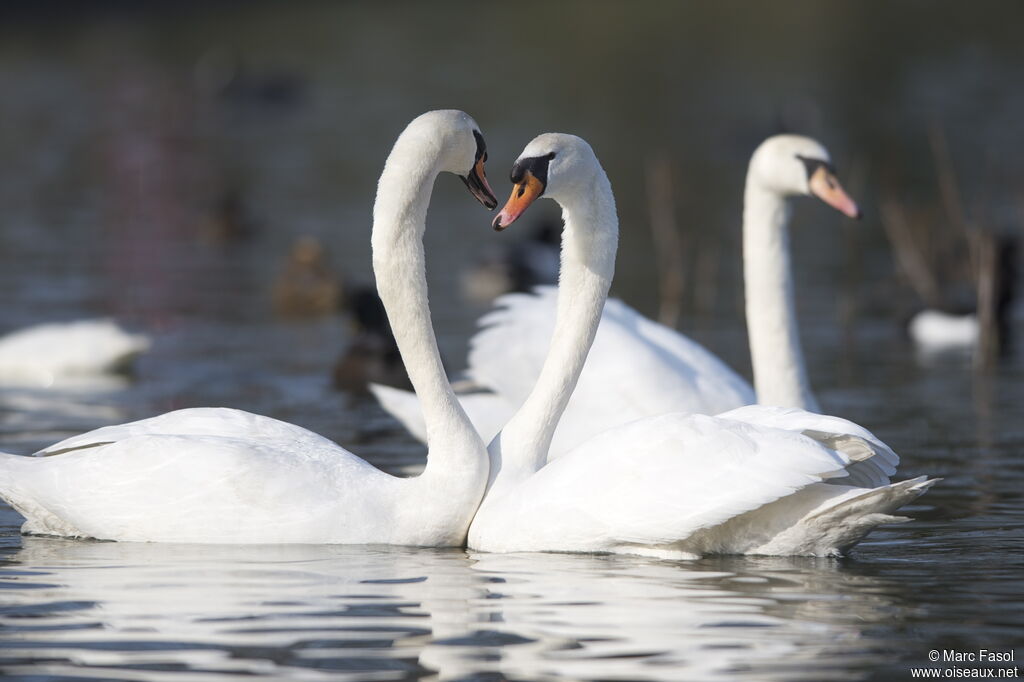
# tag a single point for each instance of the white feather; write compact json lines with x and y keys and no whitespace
{"x":687,"y":485}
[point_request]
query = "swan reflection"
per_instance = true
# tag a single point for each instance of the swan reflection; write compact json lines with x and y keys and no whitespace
{"x":109,"y":610}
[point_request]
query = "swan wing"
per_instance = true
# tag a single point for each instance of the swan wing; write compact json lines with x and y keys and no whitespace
{"x":170,"y":479}
{"x":655,"y":483}
{"x":873,"y":462}
{"x":201,"y":421}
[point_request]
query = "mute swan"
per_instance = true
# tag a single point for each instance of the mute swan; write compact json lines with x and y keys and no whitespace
{"x":937,"y":329}
{"x":666,"y":370}
{"x":748,"y":481}
{"x":217,"y":475}
{"x":959,"y":327}
{"x":48,"y":354}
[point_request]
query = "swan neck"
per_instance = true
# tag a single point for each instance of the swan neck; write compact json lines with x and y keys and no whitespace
{"x":589,"y":243}
{"x":455,"y":458}
{"x":780,"y":375}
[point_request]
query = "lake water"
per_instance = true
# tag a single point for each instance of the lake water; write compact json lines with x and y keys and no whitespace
{"x":121,"y":131}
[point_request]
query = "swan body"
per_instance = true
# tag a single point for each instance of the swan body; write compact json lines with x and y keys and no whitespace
{"x":207,"y":475}
{"x":227,"y":476}
{"x":755,"y":480}
{"x":683,"y":486}
{"x":47,"y":354}
{"x":664,"y":368}
{"x":665,"y":371}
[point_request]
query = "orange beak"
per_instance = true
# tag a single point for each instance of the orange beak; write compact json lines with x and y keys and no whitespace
{"x":824,"y":185}
{"x":524,"y":193}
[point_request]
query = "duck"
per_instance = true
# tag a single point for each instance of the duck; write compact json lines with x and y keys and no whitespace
{"x":221,"y":475}
{"x":371,"y":355}
{"x":306,"y":286}
{"x":55,"y":353}
{"x":759,"y":480}
{"x":667,"y":371}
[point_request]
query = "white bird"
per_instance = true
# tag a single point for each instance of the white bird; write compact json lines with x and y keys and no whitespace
{"x":54,"y":353}
{"x":217,"y":475}
{"x":665,"y":370}
{"x":750,"y":481}
{"x":937,"y":329}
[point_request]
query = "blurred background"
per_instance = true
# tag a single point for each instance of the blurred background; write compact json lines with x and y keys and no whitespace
{"x":204,"y":172}
{"x":160,"y":161}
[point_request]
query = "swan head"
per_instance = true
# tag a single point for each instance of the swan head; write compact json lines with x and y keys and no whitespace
{"x":553,"y":165}
{"x":461,"y":146}
{"x":794,"y":165}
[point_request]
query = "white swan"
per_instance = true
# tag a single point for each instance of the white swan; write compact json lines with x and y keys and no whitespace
{"x":666,"y":371}
{"x":227,"y":476}
{"x":60,"y":352}
{"x":939,"y":330}
{"x":749,"y":481}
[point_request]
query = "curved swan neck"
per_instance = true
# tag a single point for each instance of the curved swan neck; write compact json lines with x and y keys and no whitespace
{"x":780,"y":375}
{"x":589,"y":242}
{"x":455,"y":451}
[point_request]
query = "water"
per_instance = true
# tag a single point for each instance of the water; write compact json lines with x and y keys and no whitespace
{"x":120,"y":133}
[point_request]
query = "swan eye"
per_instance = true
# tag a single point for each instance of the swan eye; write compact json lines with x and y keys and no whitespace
{"x":537,"y":166}
{"x":811,"y":165}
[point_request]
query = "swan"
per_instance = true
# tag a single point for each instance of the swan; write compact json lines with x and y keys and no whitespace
{"x":53,"y":353}
{"x":666,"y":370}
{"x":748,"y":481}
{"x":937,"y":329}
{"x":218,"y":475}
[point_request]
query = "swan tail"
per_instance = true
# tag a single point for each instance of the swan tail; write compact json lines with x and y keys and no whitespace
{"x":487,"y":411}
{"x":403,"y":406}
{"x":15,"y":490}
{"x":834,"y":530}
{"x":104,"y":343}
{"x":132,"y":346}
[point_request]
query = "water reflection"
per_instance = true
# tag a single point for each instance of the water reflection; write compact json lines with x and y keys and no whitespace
{"x":111,"y":610}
